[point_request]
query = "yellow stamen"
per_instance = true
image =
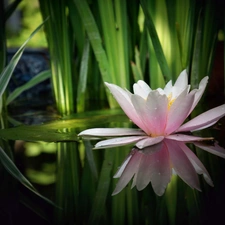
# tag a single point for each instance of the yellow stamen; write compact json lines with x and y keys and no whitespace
{"x":170,"y":100}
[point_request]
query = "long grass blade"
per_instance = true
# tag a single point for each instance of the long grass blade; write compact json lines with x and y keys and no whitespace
{"x":155,"y":42}
{"x":34,"y":81}
{"x":7,"y":72}
{"x":94,"y":37}
{"x":83,"y":77}
{"x":14,"y":171}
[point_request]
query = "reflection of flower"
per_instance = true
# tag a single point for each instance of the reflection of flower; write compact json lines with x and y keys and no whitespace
{"x":159,"y":114}
{"x":155,"y":164}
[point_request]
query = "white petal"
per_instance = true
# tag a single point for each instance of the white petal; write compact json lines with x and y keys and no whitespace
{"x":114,"y":142}
{"x":204,"y":120}
{"x":181,"y":84}
{"x":199,"y":92}
{"x":168,"y":88}
{"x":110,"y":132}
{"x":149,"y":141}
{"x":129,"y":171}
{"x":141,"y":88}
{"x":123,"y":97}
{"x":122,"y":167}
{"x":187,"y":138}
{"x":214,"y":149}
{"x":182,"y":80}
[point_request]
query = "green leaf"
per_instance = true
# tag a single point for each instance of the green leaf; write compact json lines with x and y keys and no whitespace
{"x":34,"y":81}
{"x":7,"y":72}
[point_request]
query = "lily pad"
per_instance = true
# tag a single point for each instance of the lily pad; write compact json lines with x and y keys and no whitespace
{"x":65,"y":129}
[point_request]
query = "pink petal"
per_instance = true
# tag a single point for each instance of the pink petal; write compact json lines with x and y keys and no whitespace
{"x":152,"y":112}
{"x":148,"y":141}
{"x":178,"y":111}
{"x":187,"y":138}
{"x":204,"y":120}
{"x":143,"y":172}
{"x":110,"y":132}
{"x":114,"y":142}
{"x":129,"y":171}
{"x":214,"y":149}
{"x":182,"y":165}
{"x":160,"y":170}
{"x":123,"y":97}
{"x":155,"y":167}
{"x":199,"y":167}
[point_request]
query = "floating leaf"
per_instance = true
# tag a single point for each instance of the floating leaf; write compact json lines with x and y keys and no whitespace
{"x":65,"y":129}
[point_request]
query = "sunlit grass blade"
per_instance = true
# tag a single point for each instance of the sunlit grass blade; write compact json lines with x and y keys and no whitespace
{"x":7,"y":72}
{"x":94,"y":37}
{"x":155,"y":42}
{"x":136,"y":67}
{"x":83,"y":77}
{"x":61,"y":52}
{"x":155,"y":75}
{"x":122,"y":49}
{"x":114,"y":26}
{"x":31,"y":83}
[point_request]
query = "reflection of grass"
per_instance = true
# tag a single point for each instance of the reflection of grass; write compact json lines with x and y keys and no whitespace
{"x":40,"y":167}
{"x":36,"y":148}
{"x":42,"y":177}
{"x":30,"y":19}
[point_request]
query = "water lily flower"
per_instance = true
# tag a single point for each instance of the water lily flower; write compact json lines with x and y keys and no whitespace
{"x":159,"y":115}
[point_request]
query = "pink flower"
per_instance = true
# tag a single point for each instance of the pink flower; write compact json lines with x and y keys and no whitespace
{"x":160,"y":115}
